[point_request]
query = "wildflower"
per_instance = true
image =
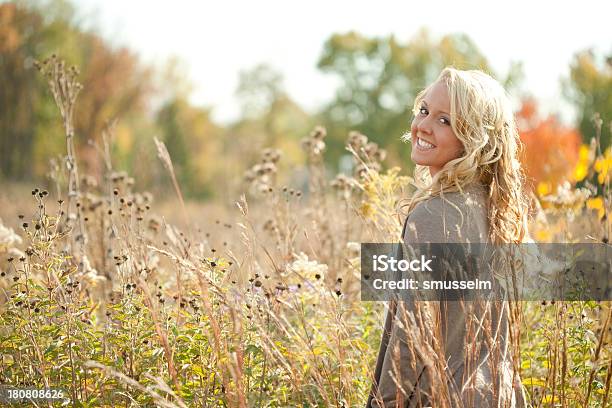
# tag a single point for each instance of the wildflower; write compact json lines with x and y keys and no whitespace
{"x":8,"y":238}
{"x":543,"y":235}
{"x":367,"y":210}
{"x":544,"y":189}
{"x":118,"y":176}
{"x":596,"y":203}
{"x":270,"y":155}
{"x":357,"y":140}
{"x":354,"y":248}
{"x":155,"y":223}
{"x":313,"y":144}
{"x":566,"y":198}
{"x":603,"y":165}
{"x":89,"y":274}
{"x":582,"y":167}
{"x":304,"y":267}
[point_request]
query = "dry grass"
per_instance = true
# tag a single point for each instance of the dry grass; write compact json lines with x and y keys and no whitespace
{"x":254,"y":305}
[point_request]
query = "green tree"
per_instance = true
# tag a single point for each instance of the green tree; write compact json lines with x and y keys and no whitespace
{"x":115,"y":86}
{"x":194,"y":143}
{"x":589,"y":87}
{"x":266,"y":105}
{"x":27,"y":114}
{"x":270,"y":118}
{"x":258,"y":89}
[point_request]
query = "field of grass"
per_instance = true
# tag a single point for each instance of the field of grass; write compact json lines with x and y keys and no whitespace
{"x":124,"y":301}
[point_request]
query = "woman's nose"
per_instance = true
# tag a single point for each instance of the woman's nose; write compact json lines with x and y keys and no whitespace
{"x":424,"y":125}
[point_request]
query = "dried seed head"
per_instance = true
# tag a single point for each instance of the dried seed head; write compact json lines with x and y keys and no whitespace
{"x":319,"y":132}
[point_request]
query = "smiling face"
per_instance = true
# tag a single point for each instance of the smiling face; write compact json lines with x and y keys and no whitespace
{"x":434,"y":142}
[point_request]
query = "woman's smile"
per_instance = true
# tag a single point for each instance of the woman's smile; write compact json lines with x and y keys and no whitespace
{"x":424,"y":145}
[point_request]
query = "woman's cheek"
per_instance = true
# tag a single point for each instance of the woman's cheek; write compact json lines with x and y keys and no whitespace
{"x":413,"y":127}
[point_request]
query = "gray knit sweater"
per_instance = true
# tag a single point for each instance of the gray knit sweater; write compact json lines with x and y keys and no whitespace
{"x":446,"y":353}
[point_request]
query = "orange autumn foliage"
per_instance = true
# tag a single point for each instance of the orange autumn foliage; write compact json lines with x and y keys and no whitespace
{"x":551,"y":150}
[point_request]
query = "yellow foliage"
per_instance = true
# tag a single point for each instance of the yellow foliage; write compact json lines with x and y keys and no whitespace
{"x":543,"y":235}
{"x":534,"y":382}
{"x":585,"y":156}
{"x":367,"y":210}
{"x":124,"y":139}
{"x":544,"y":188}
{"x":380,"y":192}
{"x":602,"y":166}
{"x":596,"y":203}
{"x":549,"y":399}
{"x":581,"y":171}
{"x":584,"y":153}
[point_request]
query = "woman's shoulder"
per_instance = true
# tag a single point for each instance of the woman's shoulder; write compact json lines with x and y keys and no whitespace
{"x":452,"y":204}
{"x":471,"y":197}
{"x":457,"y":216}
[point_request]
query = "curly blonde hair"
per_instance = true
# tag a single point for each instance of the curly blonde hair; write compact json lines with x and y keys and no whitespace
{"x":482,"y":119}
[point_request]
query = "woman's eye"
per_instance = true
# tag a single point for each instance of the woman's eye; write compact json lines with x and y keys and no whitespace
{"x":423,"y":111}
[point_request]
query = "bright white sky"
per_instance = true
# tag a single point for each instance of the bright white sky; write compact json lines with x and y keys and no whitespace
{"x":217,"y":39}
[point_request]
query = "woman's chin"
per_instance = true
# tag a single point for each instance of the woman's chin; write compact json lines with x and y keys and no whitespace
{"x":418,"y":159}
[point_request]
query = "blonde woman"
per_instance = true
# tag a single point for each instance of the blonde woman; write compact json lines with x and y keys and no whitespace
{"x":469,"y":189}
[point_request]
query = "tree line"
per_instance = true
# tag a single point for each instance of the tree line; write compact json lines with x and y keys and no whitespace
{"x":379,"y":78}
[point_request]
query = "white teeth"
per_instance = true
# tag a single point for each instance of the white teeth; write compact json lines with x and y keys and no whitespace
{"x":423,"y":144}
